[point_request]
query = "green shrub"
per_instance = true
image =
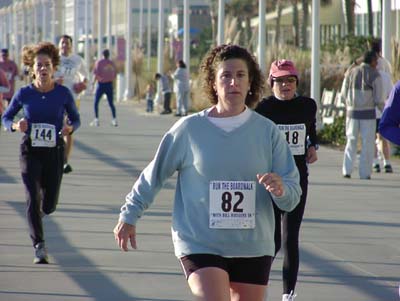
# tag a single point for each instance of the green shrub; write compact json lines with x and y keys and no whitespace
{"x":396,"y":151}
{"x":333,"y":134}
{"x":356,"y":45}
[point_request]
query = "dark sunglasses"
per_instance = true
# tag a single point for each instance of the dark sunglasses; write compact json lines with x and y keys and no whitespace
{"x":281,"y":80}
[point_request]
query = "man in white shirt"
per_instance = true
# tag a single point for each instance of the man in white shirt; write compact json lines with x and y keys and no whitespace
{"x":72,"y":73}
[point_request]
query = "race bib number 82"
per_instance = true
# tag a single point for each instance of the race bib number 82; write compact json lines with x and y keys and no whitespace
{"x":232,"y":204}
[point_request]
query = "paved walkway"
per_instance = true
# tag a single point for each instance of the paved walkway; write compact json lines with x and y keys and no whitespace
{"x":350,"y":244}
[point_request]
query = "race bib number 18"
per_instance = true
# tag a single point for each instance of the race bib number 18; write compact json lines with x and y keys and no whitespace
{"x":232,"y":204}
{"x":295,"y":135}
{"x":43,"y":135}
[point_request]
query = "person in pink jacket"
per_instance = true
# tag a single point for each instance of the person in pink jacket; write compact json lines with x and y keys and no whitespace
{"x":10,"y":69}
{"x":4,"y":88}
{"x":105,"y":73}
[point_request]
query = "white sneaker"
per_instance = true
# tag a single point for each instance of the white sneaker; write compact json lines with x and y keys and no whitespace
{"x":40,"y":254}
{"x":289,"y":297}
{"x":95,"y":122}
{"x":114,"y":122}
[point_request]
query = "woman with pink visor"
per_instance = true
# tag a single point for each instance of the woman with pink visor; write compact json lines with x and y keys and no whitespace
{"x":295,"y":116}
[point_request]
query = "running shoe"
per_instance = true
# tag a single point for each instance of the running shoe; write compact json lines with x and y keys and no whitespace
{"x":95,"y":122}
{"x":67,"y":168}
{"x":166,"y":112}
{"x":289,"y":297}
{"x":377,"y":168}
{"x":388,"y":168}
{"x":347,"y":176}
{"x":114,"y":122}
{"x":40,"y":254}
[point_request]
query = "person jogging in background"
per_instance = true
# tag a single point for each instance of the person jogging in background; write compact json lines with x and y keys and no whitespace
{"x":44,"y":103}
{"x":4,"y":88}
{"x":389,"y":126}
{"x":105,"y":73}
{"x":295,"y":116}
{"x":11,"y":70}
{"x":232,"y":165}
{"x":73,"y":74}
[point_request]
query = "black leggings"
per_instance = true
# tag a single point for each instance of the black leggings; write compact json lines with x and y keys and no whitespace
{"x":287,"y":230}
{"x":41,"y":171}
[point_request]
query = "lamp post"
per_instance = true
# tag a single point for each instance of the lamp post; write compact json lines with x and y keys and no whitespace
{"x":100,"y":22}
{"x":160,"y":48}
{"x":386,"y":29}
{"x":148,"y":35}
{"x":141,"y":24}
{"x":261,"y":35}
{"x":87,"y":51}
{"x":186,"y":35}
{"x":315,"y":54}
{"x":221,"y":19}
{"x":109,"y":22}
{"x":17,"y":46}
{"x":43,"y":8}
{"x":3,"y":25}
{"x":128,"y":53}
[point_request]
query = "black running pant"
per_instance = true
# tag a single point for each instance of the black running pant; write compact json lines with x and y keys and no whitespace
{"x":167,"y":102}
{"x":287,"y":230}
{"x":41,"y":172}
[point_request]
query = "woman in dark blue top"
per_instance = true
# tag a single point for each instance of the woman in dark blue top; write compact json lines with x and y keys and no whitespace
{"x":44,"y":104}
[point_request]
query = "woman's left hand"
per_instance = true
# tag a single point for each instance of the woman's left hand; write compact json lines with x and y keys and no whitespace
{"x":311,"y":155}
{"x":272,"y":182}
{"x":67,"y":130}
{"x":79,"y":87}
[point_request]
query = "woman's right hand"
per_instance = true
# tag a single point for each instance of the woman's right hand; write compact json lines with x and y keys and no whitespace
{"x":124,"y":232}
{"x":21,"y":125}
{"x":272,"y":182}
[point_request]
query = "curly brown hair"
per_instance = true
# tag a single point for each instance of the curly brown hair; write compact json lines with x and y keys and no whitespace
{"x":209,"y":65}
{"x":30,"y":52}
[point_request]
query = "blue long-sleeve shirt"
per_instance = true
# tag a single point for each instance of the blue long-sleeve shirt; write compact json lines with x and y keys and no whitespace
{"x":41,"y":107}
{"x":203,"y":153}
{"x":389,"y":125}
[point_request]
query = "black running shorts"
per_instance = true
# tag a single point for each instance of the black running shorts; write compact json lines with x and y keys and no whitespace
{"x":253,"y":270}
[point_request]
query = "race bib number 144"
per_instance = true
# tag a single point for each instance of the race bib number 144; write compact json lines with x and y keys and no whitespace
{"x":43,"y":135}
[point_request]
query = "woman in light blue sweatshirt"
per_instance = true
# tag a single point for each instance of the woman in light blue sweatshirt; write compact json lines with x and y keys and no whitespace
{"x":232,"y":164}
